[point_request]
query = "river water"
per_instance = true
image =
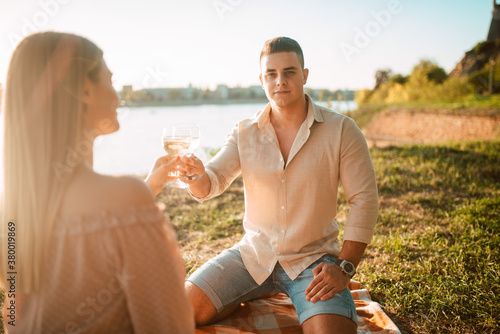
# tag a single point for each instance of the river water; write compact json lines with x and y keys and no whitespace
{"x":133,"y":149}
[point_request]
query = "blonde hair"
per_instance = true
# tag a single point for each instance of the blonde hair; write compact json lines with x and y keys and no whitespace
{"x":43,"y":126}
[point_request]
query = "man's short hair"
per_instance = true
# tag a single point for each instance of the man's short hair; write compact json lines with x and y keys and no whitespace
{"x":282,"y":44}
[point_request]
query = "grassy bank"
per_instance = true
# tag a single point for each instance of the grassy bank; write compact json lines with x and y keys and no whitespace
{"x":434,"y":263}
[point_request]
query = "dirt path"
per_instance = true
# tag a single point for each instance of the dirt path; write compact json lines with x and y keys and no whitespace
{"x":406,"y":126}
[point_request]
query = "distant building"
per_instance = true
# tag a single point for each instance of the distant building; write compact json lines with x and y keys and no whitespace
{"x":156,"y":94}
{"x":127,"y":91}
{"x":187,"y":93}
{"x":222,"y":92}
{"x":236,"y":92}
{"x":256,"y":92}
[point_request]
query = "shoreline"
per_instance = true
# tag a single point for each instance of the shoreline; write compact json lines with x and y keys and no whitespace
{"x":192,"y":103}
{"x":204,"y":102}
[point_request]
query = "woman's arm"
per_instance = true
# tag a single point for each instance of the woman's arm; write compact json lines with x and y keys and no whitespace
{"x":151,"y":271}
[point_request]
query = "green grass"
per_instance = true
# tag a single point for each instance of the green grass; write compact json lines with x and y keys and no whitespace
{"x":434,"y":263}
{"x":205,"y":229}
{"x":435,"y":260}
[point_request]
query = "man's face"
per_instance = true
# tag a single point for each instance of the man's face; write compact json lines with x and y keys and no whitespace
{"x":283,"y":79}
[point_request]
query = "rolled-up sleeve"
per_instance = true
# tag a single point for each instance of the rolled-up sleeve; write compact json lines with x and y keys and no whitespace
{"x":357,"y":175}
{"x":224,"y":167}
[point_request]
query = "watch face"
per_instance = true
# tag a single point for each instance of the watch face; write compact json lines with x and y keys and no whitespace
{"x":349,"y":267}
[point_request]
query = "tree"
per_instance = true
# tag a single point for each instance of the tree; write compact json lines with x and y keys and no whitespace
{"x":427,"y":70}
{"x":398,"y":78}
{"x":382,"y":76}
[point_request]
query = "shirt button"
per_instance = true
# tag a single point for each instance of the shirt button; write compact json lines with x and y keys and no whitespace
{"x":283,"y":207}
{"x":282,"y":180}
{"x":281,"y":159}
{"x":283,"y":231}
{"x":278,"y":253}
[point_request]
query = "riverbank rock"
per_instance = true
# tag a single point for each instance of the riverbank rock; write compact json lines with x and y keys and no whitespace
{"x":399,"y":126}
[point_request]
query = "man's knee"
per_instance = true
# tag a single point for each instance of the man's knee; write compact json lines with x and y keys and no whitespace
{"x":204,"y":310}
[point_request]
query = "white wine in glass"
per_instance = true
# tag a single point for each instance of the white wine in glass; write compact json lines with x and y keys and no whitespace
{"x":176,"y":142}
{"x":176,"y":146}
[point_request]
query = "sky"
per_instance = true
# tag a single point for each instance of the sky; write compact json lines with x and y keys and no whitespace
{"x":173,"y":43}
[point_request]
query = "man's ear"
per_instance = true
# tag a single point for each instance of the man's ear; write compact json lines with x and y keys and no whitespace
{"x":261,"y":82}
{"x":305,"y":74}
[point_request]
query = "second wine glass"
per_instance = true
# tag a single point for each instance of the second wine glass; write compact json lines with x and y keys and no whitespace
{"x":176,"y":142}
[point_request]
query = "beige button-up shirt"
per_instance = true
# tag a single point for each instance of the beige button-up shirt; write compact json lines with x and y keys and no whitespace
{"x":290,"y":208}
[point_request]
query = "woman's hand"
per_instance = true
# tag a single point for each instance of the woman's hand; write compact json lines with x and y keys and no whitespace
{"x":158,"y":175}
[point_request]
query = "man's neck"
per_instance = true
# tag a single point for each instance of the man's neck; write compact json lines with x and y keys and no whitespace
{"x":292,"y":116}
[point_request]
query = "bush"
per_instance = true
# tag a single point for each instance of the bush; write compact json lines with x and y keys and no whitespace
{"x":453,"y":89}
{"x":428,"y":71}
{"x":398,"y":78}
{"x":380,"y":94}
{"x":362,"y":96}
{"x":397,"y":93}
{"x":427,"y":83}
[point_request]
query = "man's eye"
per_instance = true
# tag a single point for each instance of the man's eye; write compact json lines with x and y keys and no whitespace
{"x":272,"y":75}
{"x":290,"y":72}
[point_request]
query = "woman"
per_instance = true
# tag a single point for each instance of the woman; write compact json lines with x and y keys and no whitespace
{"x":91,"y":253}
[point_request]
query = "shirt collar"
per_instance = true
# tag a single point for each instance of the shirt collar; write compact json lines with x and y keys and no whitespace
{"x":313,"y":114}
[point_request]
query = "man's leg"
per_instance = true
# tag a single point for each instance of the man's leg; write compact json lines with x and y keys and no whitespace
{"x":204,"y":311}
{"x":218,"y":287}
{"x":335,"y":315}
{"x":329,"y":323}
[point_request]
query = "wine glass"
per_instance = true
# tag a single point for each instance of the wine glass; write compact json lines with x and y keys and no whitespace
{"x":176,"y":142}
{"x":194,"y":129}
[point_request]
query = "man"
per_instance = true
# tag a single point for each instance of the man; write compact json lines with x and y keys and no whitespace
{"x":292,"y":156}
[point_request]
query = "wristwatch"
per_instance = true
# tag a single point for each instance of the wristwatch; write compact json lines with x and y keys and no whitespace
{"x":347,"y":267}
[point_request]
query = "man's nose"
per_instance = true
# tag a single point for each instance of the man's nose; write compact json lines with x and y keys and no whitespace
{"x":281,"y":80}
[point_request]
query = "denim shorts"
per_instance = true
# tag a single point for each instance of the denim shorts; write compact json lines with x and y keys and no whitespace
{"x":226,"y":281}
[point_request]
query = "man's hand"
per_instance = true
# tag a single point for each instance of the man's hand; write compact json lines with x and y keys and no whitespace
{"x":191,"y":168}
{"x":192,"y":172}
{"x":328,"y":280}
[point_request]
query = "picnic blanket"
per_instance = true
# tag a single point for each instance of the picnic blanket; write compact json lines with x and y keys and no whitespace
{"x":275,"y":314}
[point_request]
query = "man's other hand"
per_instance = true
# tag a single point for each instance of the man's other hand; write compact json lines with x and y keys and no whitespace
{"x":328,"y":280}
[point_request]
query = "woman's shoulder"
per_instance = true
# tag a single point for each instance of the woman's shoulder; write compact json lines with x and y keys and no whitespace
{"x":71,"y":224}
{"x":124,"y":190}
{"x":90,"y":192}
